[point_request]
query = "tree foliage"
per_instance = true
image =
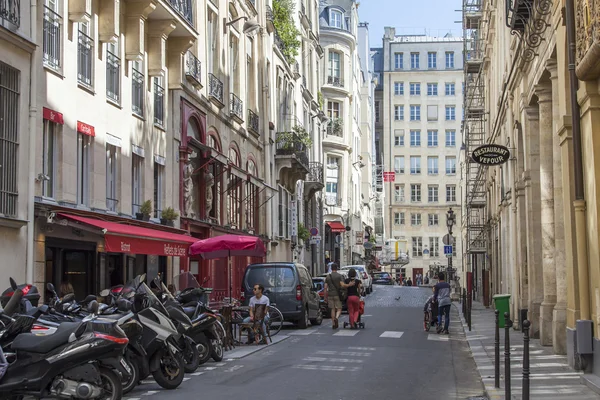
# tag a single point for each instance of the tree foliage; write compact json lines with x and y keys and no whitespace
{"x":283,"y":11}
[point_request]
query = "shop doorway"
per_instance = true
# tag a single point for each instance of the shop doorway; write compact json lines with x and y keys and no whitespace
{"x":72,"y":263}
{"x":115,"y":269}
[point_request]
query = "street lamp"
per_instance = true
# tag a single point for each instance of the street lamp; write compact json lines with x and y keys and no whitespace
{"x":450,"y":221}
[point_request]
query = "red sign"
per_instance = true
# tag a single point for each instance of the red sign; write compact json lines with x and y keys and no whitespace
{"x":53,"y":116}
{"x":131,"y":245}
{"x":389,"y":176}
{"x":85,"y":129}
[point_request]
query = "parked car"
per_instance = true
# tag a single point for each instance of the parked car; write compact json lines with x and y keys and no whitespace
{"x":382,"y":278}
{"x":289,"y":287}
{"x":363,"y":275}
{"x":319,"y":283}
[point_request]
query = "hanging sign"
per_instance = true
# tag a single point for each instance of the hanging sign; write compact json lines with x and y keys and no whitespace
{"x":491,"y":154}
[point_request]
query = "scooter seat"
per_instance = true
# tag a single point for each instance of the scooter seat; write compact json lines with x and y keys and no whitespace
{"x":189,"y":311}
{"x":46,"y":343}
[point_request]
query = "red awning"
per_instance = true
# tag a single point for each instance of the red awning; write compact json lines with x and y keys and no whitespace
{"x":53,"y":116}
{"x":122,"y":238}
{"x":86,"y":129}
{"x":336,"y":226}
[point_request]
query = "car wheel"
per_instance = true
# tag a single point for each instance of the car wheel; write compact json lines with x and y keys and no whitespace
{"x":318,"y":320}
{"x":303,"y":321}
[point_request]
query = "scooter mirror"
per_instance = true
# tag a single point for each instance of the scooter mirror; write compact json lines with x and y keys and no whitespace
{"x":93,"y":307}
{"x":143,"y":278}
{"x":50,"y":287}
{"x":89,"y":298}
{"x":13,"y":284}
{"x":105,"y":293}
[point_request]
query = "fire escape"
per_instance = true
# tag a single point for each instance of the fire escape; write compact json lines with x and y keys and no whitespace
{"x":474,"y":134}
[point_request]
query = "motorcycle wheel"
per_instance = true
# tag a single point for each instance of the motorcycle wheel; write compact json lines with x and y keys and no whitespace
{"x":191,"y":357}
{"x":132,"y":381}
{"x":111,"y":385}
{"x":170,"y":373}
{"x":216,"y":350}
{"x":203,"y":347}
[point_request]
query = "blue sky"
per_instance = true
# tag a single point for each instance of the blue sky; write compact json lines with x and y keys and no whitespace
{"x":410,"y":17}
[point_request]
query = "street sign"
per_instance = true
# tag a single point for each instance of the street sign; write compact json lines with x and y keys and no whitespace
{"x":389,"y":176}
{"x":448,"y":240}
{"x":314,"y":231}
{"x":315,"y":240}
{"x":448,"y":250}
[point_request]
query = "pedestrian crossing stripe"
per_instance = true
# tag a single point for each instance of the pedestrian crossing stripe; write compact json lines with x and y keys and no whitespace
{"x":438,"y":338}
{"x":346,"y":333}
{"x":391,"y":334}
{"x":302,"y":333}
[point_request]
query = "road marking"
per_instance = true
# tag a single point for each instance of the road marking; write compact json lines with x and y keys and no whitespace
{"x":186,"y":379}
{"x":437,"y":337}
{"x":346,"y":333}
{"x":220,"y":364}
{"x":362,"y":348}
{"x":337,"y":360}
{"x":392,"y":334}
{"x":148,"y":381}
{"x":209,"y":368}
{"x":302,"y":333}
{"x":234,"y":368}
{"x":197,"y":373}
{"x":338,"y":368}
{"x":133,"y":398}
{"x":150,"y":392}
{"x":229,"y":359}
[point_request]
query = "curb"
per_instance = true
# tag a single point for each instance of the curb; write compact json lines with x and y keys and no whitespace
{"x":243,"y":352}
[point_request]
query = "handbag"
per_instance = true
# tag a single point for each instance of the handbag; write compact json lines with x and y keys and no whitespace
{"x":342,"y":293}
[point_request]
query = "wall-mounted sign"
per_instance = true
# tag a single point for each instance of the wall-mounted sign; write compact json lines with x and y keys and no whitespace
{"x":389,"y":176}
{"x":491,"y":154}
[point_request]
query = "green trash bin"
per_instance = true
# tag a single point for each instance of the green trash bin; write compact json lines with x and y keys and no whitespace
{"x":502,"y":304}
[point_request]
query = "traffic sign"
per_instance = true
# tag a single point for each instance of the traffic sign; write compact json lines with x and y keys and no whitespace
{"x":314,"y":231}
{"x":448,"y":250}
{"x":448,"y":240}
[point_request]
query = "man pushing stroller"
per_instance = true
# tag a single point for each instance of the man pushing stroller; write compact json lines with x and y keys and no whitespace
{"x":430,"y":311}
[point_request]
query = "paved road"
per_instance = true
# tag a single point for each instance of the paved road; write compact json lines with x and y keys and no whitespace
{"x":392,"y":358}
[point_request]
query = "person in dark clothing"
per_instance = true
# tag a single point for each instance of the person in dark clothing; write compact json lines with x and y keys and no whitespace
{"x":353,"y":300}
{"x":409,"y":282}
{"x":441,"y":294}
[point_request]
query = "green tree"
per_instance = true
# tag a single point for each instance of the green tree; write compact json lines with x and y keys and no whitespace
{"x":285,"y":28}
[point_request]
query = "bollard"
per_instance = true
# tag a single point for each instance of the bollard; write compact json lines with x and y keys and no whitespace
{"x":464,"y":302}
{"x":507,"y":325}
{"x":526,"y":325}
{"x":497,"y":352}
{"x":469,"y":305}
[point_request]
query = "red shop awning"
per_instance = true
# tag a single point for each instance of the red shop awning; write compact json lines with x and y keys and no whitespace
{"x":53,"y":116}
{"x":122,"y":238}
{"x":336,"y":226}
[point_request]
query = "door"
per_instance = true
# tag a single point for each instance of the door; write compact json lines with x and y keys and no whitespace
{"x":415,"y":272}
{"x":75,"y":271}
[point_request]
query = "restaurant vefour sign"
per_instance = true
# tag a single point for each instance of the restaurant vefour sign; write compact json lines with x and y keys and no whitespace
{"x":490,"y":154}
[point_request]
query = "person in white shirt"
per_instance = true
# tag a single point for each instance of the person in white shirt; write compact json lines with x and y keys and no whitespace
{"x":258,"y":298}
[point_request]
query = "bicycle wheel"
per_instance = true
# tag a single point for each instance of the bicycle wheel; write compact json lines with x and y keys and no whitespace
{"x":275,"y":320}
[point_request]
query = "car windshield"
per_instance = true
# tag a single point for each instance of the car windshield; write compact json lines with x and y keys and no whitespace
{"x":186,"y":280}
{"x":381,"y":275}
{"x":318,"y":283}
{"x":271,"y":277}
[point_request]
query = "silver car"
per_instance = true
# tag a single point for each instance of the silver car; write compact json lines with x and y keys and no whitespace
{"x":363,"y":275}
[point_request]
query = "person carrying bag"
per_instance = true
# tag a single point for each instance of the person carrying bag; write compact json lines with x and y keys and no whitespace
{"x":335,"y":292}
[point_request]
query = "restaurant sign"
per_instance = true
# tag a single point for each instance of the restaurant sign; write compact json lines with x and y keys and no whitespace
{"x":491,"y":154}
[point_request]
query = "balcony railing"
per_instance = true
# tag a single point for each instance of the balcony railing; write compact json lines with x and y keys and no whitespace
{"x":278,"y":42}
{"x":236,"y":108}
{"x":253,"y":122}
{"x":215,"y":88}
{"x":137,"y":89}
{"x":184,"y":8}
{"x":296,"y":70}
{"x":85,"y":59}
{"x":315,"y":172}
{"x":399,"y":198}
{"x":10,"y":11}
{"x":113,"y":77}
{"x":111,"y":204}
{"x":159,"y":103}
{"x":51,"y":40}
{"x":193,"y":70}
{"x":332,"y":199}
{"x":292,"y":145}
{"x":335,"y":81}
{"x":269,"y":13}
{"x":304,"y":82}
{"x":335,"y":127}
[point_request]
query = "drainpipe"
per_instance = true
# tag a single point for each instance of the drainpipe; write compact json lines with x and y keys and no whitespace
{"x":32,"y":134}
{"x":579,"y":203}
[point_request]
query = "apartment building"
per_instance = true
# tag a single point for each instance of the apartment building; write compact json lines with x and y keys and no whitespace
{"x":420,"y":116}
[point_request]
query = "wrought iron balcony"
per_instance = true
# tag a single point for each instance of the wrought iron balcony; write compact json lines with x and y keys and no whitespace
{"x":335,"y":127}
{"x":315,"y":172}
{"x":296,"y":70}
{"x":52,"y":38}
{"x":278,"y":42}
{"x":269,"y":17}
{"x":304,"y":82}
{"x":215,"y":89}
{"x":253,"y":122}
{"x":10,"y":11}
{"x":236,"y":108}
{"x":184,"y":8}
{"x":335,"y":81}
{"x":193,"y":71}
{"x":333,"y":199}
{"x":290,"y":144}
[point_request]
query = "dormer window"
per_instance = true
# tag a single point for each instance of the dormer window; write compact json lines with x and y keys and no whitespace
{"x":335,"y":19}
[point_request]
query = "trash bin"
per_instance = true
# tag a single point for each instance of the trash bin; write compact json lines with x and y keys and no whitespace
{"x":501,"y":303}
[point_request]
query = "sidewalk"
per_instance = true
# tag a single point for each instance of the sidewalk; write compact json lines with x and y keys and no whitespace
{"x":551,"y":378}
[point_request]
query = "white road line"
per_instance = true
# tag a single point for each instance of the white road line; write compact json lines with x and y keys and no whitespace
{"x":346,"y":333}
{"x":148,"y":381}
{"x":186,"y":379}
{"x":392,"y":334}
{"x":339,"y":368}
{"x":197,"y":373}
{"x":362,"y":348}
{"x":229,"y":359}
{"x":150,"y":392}
{"x":220,"y":364}
{"x":234,"y":368}
{"x":438,"y":338}
{"x":209,"y":368}
{"x":336,"y":360}
{"x":302,"y":333}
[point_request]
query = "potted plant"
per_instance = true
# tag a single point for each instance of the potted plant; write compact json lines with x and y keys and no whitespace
{"x":145,"y":211}
{"x":168,"y":216}
{"x":303,"y":233}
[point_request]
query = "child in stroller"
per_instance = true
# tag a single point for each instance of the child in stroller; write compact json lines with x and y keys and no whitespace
{"x":430,"y":313}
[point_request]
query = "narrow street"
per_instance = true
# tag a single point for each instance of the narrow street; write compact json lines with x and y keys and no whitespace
{"x":391,"y":358}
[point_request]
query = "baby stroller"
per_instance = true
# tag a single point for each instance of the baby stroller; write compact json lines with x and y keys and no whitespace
{"x":430,"y":316}
{"x":361,"y":311}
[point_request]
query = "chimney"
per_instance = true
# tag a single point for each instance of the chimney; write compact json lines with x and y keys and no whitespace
{"x":389,"y":32}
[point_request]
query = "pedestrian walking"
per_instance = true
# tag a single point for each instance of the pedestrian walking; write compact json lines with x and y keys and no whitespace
{"x":353,"y":301}
{"x":334,"y":285}
{"x":441,"y":294}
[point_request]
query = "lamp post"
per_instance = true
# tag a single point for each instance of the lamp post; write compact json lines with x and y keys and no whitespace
{"x":450,"y":221}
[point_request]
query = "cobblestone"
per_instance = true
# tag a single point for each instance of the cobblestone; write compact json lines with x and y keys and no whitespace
{"x":398,"y":296}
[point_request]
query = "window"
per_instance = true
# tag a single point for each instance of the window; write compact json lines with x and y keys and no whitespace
{"x":398,"y":88}
{"x":159,"y":188}
{"x":450,"y":165}
{"x":85,"y":55}
{"x":415,"y":89}
{"x":449,"y":60}
{"x":112,"y":176}
{"x":417,"y":247}
{"x":333,"y":110}
{"x":415,"y":113}
{"x":414,"y":60}
{"x":432,"y":138}
{"x":450,"y":113}
{"x":137,"y":88}
{"x":331,"y":183}
{"x":159,"y":101}
{"x":433,"y":220}
{"x":399,"y":140}
{"x":335,"y":19}
{"x":284,"y":215}
{"x":84,"y":152}
{"x":399,"y":164}
{"x":451,"y":193}
{"x":434,"y":247}
{"x":9,"y":139}
{"x":399,"y":113}
{"x":212,"y":37}
{"x":415,"y":193}
{"x":432,"y":89}
{"x":399,"y":193}
{"x":432,"y":113}
{"x":415,"y":165}
{"x":334,"y":64}
{"x":415,"y":219}
{"x":399,"y":218}
{"x":52,"y":43}
{"x":377,"y":108}
{"x":432,"y":165}
{"x":432,"y":194}
{"x":136,"y":183}
{"x":450,"y":89}
{"x":415,"y":138}
{"x":431,"y":60}
{"x":113,"y":72}
{"x":398,"y":60}
{"x":49,"y":158}
{"x":450,"y":138}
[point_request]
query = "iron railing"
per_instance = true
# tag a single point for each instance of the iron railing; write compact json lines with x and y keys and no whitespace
{"x":333,"y":199}
{"x":85,"y":59}
{"x":111,"y":204}
{"x":215,"y":88}
{"x":335,"y":81}
{"x":137,"y":92}
{"x":292,"y":144}
{"x":236,"y":107}
{"x":184,"y":8}
{"x":159,"y":103}
{"x":113,"y":77}
{"x":9,"y":139}
{"x":304,"y":82}
{"x":193,"y":69}
{"x":269,"y":13}
{"x":315,"y":172}
{"x":51,"y":38}
{"x":10,"y":10}
{"x":335,"y":127}
{"x":253,"y":121}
